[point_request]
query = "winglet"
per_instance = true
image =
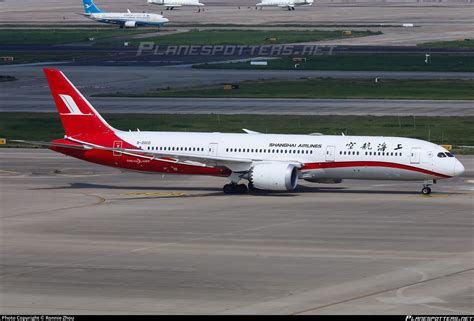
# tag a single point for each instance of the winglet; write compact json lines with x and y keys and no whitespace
{"x":248,"y":131}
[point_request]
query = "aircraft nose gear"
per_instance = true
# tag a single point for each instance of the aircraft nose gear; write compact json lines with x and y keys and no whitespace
{"x":235,"y":189}
{"x":426,"y":190}
{"x":426,"y":187}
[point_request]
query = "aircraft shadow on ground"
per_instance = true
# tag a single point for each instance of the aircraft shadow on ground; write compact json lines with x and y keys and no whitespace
{"x":213,"y":190}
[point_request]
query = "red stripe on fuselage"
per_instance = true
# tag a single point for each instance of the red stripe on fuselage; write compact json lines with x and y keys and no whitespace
{"x":140,"y":164}
{"x":311,"y":166}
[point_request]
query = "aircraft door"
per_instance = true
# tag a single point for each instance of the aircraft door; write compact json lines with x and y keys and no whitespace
{"x":117,"y":144}
{"x":213,"y":149}
{"x":330,"y":153}
{"x":415,"y":155}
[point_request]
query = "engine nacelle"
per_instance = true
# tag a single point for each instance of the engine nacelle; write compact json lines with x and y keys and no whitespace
{"x":324,"y":180}
{"x":274,"y":176}
{"x":130,"y":24}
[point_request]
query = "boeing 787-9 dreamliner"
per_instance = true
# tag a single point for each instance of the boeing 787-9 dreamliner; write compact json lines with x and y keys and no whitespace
{"x":264,"y":161}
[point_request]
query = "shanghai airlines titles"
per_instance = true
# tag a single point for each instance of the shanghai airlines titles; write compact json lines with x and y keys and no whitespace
{"x":266,"y":161}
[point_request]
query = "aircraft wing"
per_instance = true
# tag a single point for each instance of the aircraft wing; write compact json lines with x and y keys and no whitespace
{"x":175,"y":157}
{"x":236,"y":164}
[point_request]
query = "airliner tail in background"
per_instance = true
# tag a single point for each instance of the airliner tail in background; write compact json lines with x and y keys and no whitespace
{"x":90,"y":7}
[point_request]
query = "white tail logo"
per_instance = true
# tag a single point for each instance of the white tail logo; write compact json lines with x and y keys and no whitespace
{"x":71,"y":105}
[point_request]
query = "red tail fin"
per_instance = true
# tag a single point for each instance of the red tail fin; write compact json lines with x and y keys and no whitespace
{"x":77,"y":114}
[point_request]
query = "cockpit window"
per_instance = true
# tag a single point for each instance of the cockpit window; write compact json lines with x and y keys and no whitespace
{"x":441,"y":155}
{"x":449,"y":155}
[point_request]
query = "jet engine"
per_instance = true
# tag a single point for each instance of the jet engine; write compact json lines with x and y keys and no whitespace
{"x":273,"y":176}
{"x":130,"y":24}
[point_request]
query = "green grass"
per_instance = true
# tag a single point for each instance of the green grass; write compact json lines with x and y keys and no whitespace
{"x":325,"y":88}
{"x":60,"y":36}
{"x":248,"y":37}
{"x":466,"y":43}
{"x":369,"y":62}
{"x":441,"y":130}
{"x":25,"y":58}
{"x":7,"y":78}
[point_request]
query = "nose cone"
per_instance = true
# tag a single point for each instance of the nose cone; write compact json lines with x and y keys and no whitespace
{"x":458,"y":168}
{"x":165,"y":20}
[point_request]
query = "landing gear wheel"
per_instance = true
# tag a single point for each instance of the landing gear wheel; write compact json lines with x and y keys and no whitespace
{"x":251,"y":187}
{"x":426,"y":191}
{"x":235,"y":189}
{"x":228,"y":188}
{"x":242,"y":189}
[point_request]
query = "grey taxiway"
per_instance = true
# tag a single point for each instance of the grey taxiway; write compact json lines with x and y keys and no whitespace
{"x":30,"y":93}
{"x":81,"y":238}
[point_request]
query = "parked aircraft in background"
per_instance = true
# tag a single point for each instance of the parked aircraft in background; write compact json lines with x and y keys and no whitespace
{"x":124,"y":20}
{"x":290,"y":4}
{"x":171,"y":4}
{"x":266,"y":161}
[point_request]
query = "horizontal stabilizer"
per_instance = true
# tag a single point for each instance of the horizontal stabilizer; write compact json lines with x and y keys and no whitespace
{"x":52,"y":144}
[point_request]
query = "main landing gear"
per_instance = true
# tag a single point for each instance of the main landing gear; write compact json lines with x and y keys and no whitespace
{"x":235,"y":189}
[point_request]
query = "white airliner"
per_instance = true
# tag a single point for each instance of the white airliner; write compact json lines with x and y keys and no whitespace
{"x":290,"y":4}
{"x":266,"y":162}
{"x":125,"y":20}
{"x":171,"y":4}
